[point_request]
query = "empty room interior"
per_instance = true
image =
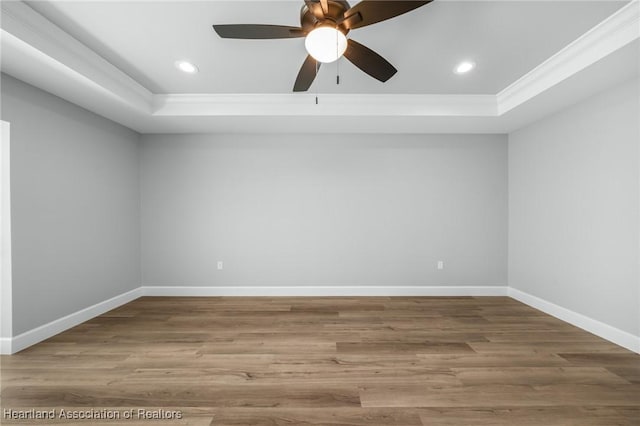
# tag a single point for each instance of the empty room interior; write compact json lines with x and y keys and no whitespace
{"x":320,"y":212}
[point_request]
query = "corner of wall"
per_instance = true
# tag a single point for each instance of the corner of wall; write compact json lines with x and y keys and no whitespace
{"x":600,"y":329}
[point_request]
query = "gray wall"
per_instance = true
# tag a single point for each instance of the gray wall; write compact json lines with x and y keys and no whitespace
{"x":75,"y":206}
{"x":573,"y":208}
{"x":287,"y":210}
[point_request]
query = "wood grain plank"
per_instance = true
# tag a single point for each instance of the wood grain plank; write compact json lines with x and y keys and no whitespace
{"x":530,"y":416}
{"x":154,"y":395}
{"x":500,"y":396}
{"x":538,"y":376}
{"x":402,"y":347}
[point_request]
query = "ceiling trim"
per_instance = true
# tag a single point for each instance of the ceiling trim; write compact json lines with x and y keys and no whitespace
{"x":328,"y":104}
{"x":38,"y":33}
{"x":615,"y":32}
{"x":38,"y":52}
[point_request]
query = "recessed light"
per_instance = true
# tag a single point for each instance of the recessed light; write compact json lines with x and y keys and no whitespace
{"x":187,"y":67}
{"x":464,"y":67}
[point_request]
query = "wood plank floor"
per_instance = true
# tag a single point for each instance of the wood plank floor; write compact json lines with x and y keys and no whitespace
{"x":329,"y":361}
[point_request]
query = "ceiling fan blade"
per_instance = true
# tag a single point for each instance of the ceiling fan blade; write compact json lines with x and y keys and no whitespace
{"x":373,"y":11}
{"x":350,"y":21}
{"x":369,"y":61}
{"x":325,"y":6}
{"x":258,"y":31}
{"x":316,"y":8}
{"x":306,"y":75}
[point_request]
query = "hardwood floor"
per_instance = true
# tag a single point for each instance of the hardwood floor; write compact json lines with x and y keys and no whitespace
{"x":328,"y":361}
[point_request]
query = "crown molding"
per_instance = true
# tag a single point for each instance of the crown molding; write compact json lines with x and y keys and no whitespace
{"x":38,"y":52}
{"x":328,"y":105}
{"x":613,"y":33}
{"x":38,"y":34}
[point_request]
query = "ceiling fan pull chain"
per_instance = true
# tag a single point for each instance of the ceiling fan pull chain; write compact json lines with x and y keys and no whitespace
{"x":337,"y":61}
{"x":317,"y":68}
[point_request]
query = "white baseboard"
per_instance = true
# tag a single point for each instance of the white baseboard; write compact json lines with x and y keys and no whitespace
{"x":36,"y":335}
{"x":326,"y":291}
{"x":5,"y":346}
{"x":612,"y":334}
{"x":31,"y":337}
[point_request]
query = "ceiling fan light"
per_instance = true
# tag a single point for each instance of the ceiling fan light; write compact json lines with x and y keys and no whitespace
{"x":326,"y":44}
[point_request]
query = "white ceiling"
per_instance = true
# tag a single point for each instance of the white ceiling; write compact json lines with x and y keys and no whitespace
{"x":116,"y":58}
{"x":505,"y":38}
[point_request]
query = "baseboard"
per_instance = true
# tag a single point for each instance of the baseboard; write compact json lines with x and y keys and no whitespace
{"x":326,"y":291}
{"x":31,"y":337}
{"x":5,"y":346}
{"x":612,"y":334}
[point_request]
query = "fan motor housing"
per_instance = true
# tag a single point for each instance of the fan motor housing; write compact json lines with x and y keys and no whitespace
{"x":337,"y":8}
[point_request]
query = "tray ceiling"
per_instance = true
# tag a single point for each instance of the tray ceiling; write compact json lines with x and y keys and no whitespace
{"x":505,"y":38}
{"x":116,"y":58}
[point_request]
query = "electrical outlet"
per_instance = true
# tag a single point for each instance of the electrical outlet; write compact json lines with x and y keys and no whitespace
{"x":440,"y":264}
{"x":220,"y":265}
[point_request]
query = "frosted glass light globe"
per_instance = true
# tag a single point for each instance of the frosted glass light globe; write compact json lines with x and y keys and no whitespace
{"x":325,"y":44}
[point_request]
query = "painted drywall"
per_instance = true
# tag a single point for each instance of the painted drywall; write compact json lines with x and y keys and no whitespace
{"x":333,"y":210}
{"x":6,"y":329}
{"x":574,"y":208}
{"x":75,"y":206}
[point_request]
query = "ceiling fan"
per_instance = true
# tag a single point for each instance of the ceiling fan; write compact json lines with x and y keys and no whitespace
{"x":325,"y":25}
